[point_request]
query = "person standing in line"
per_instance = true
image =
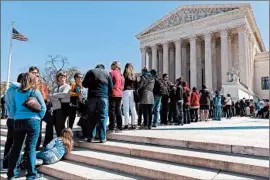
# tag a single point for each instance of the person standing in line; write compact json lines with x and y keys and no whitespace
{"x":139,"y":107}
{"x":157,"y":97}
{"x":146,"y":86}
{"x":165,"y":89}
{"x":99,"y":84}
{"x":204,"y":103}
{"x":186,"y":108}
{"x":75,"y":95}
{"x":128,"y":96}
{"x":9,"y":97}
{"x":218,"y":106}
{"x":60,"y":99}
{"x":194,"y":104}
{"x":3,"y":108}
{"x":26,"y":124}
{"x":115,"y":115}
{"x":228,"y":104}
{"x":44,"y":91}
{"x":180,"y":101}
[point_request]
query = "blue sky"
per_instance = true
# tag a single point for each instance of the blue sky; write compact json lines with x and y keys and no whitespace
{"x":88,"y":33}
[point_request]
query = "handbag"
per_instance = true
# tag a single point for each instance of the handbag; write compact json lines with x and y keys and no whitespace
{"x":32,"y":103}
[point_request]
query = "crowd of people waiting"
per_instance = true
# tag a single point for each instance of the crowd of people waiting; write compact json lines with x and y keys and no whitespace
{"x":127,"y":100}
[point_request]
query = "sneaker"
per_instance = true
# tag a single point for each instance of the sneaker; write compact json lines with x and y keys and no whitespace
{"x":90,"y":140}
{"x":103,"y":141}
{"x":149,"y":127}
{"x":39,"y":162}
{"x":142,"y":127}
{"x":133,"y":127}
{"x":126,"y":127}
{"x":111,"y":131}
{"x":154,"y":126}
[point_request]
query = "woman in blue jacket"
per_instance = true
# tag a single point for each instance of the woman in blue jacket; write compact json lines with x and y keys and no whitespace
{"x":26,"y":124}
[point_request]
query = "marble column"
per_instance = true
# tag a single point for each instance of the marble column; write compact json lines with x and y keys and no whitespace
{"x":171,"y":64}
{"x":199,"y":63}
{"x":193,"y":64}
{"x":184,"y":63}
{"x":165,"y":58}
{"x":208,"y":62}
{"x":214,"y":64}
{"x":160,"y":62}
{"x":154,"y":57}
{"x":143,"y":57}
{"x":149,"y":60}
{"x":230,"y":64}
{"x":178,"y":59}
{"x":243,"y":54}
{"x":224,"y":56}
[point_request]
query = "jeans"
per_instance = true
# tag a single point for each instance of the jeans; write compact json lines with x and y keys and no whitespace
{"x":156,"y":109}
{"x":9,"y":142}
{"x":97,"y":117}
{"x":186,"y":114}
{"x":115,"y":113}
{"x":147,"y":114}
{"x":194,"y":115}
{"x":47,"y":156}
{"x":28,"y":128}
{"x":180,"y":112}
{"x":4,"y":112}
{"x":218,"y":113}
{"x":129,"y":104}
{"x":164,"y":110}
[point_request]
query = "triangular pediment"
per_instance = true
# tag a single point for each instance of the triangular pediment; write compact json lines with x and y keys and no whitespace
{"x":185,"y":14}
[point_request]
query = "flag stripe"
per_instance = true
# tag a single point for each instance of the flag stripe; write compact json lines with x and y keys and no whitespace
{"x":18,"y":36}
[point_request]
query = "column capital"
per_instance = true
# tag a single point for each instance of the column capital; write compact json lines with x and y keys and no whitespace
{"x":242,"y":28}
{"x":208,"y":35}
{"x":154,"y":47}
{"x":143,"y":49}
{"x":178,"y":41}
{"x":192,"y":38}
{"x":165,"y":44}
{"x":223,"y":33}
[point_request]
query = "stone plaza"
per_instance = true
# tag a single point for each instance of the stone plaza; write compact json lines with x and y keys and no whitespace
{"x":217,"y":45}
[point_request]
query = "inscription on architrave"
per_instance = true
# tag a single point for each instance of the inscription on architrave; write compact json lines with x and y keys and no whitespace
{"x":187,"y":15}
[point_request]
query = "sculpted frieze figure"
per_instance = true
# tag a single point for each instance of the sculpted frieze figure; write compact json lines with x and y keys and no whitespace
{"x":187,"y":15}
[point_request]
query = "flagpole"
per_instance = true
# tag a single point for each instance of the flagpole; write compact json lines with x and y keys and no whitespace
{"x":9,"y":56}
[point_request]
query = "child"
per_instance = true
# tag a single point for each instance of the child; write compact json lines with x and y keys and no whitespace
{"x":57,"y":148}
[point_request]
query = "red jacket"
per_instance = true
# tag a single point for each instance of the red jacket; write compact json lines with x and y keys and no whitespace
{"x":195,"y":99}
{"x":118,"y":83}
{"x":186,"y":96}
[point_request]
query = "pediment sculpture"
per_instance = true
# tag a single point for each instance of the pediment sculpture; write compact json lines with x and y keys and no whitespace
{"x":187,"y":15}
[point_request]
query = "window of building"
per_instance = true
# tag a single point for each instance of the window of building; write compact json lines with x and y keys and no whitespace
{"x":265,"y":83}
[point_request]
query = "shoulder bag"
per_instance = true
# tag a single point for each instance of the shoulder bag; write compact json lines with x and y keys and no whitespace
{"x":32,"y":103}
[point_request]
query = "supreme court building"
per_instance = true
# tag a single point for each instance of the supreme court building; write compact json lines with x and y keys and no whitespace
{"x":217,"y":45}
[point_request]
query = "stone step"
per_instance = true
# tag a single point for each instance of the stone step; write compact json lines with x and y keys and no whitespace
{"x":22,"y":177}
{"x":72,"y":170}
{"x":207,"y":146}
{"x":226,"y":162}
{"x":145,"y":167}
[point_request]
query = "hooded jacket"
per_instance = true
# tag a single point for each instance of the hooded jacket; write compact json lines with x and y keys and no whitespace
{"x":195,"y":99}
{"x":9,"y":96}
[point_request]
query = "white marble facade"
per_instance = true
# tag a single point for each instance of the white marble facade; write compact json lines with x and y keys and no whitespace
{"x":205,"y":44}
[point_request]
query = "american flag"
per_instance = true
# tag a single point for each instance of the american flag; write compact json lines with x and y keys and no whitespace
{"x":18,"y":36}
